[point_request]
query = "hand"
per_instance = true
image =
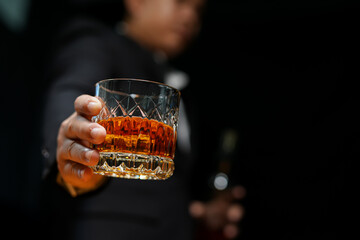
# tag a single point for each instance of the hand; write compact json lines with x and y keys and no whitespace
{"x":222,"y":213}
{"x":75,"y":136}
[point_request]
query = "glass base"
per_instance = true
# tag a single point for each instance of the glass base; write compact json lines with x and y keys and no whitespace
{"x":134,"y":166}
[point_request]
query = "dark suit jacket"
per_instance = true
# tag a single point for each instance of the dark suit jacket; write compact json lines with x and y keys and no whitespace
{"x":130,"y":209}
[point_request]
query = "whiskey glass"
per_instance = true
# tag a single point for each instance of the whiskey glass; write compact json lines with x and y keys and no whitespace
{"x":141,"y":119}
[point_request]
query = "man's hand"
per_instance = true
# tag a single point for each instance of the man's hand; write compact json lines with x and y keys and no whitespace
{"x":221,"y":214}
{"x":75,"y":136}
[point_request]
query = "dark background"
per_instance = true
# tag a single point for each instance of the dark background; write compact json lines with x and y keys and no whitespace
{"x":283,"y":74}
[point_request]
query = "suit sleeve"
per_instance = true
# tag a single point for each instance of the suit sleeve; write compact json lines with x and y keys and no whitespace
{"x":77,"y":66}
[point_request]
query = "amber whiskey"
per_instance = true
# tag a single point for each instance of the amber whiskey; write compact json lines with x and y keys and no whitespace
{"x":136,"y":147}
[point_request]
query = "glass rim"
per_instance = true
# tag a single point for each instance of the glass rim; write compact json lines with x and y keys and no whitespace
{"x":137,"y":80}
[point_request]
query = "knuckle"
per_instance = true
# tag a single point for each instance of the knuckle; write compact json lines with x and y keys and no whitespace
{"x":63,"y":127}
{"x":78,"y":100}
{"x":60,"y":153}
{"x":60,"y":166}
{"x":59,"y":139}
{"x":60,"y":142}
{"x":64,"y":124}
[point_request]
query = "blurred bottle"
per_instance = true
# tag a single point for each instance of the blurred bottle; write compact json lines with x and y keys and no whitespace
{"x":226,"y":158}
{"x":220,"y":183}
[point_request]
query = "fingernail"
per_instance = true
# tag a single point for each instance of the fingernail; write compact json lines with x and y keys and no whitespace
{"x":92,"y":106}
{"x":88,"y":155}
{"x":81,"y":173}
{"x":96,"y":132}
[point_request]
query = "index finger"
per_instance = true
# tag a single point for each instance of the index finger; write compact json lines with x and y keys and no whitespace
{"x":87,"y":105}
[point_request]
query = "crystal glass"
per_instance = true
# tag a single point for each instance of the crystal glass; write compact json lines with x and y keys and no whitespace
{"x":140,"y":118}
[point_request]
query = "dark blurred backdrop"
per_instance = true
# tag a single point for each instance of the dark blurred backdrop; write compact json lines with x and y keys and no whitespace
{"x":281,"y":73}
